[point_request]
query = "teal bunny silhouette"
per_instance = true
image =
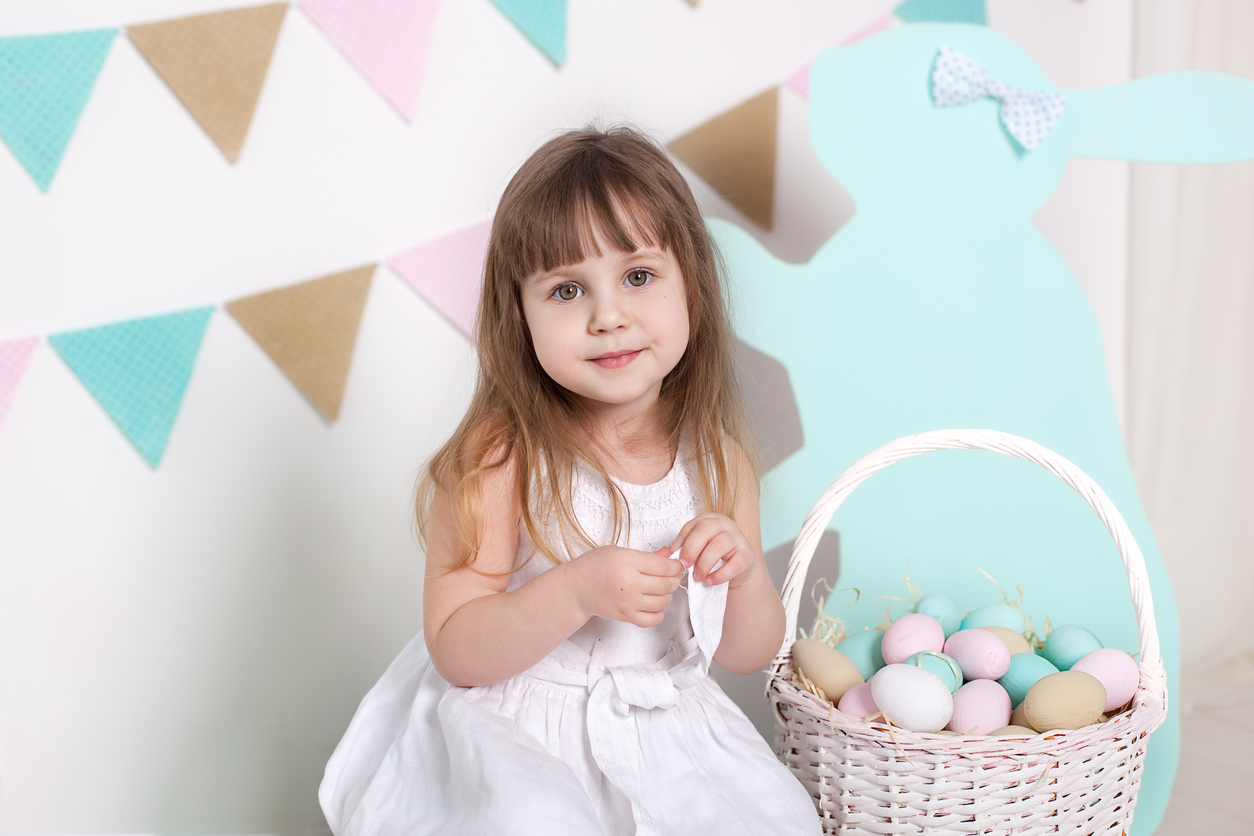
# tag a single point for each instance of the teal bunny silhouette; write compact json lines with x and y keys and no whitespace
{"x":939,"y":305}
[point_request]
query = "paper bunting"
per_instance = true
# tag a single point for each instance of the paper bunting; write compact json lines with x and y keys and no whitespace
{"x":309,"y":330}
{"x":386,"y":40}
{"x":542,"y":21}
{"x":799,"y":82}
{"x":14,"y":355}
{"x":942,"y":11}
{"x":448,"y":273}
{"x":735,"y":153}
{"x":215,"y":63}
{"x":45,"y":81}
{"x":138,"y":371}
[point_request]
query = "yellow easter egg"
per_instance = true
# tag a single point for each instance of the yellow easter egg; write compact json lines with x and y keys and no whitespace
{"x":1014,"y":641}
{"x":826,"y":667}
{"x":1064,"y":700}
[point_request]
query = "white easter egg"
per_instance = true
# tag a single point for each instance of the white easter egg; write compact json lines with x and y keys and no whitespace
{"x":980,"y":707}
{"x":1115,"y":670}
{"x":912,"y":697}
{"x":910,"y":634}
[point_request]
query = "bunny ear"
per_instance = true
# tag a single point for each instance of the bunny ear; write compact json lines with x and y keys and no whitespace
{"x":1186,"y":117}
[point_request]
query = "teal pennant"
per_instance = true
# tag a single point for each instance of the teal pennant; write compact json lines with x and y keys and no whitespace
{"x":45,"y":82}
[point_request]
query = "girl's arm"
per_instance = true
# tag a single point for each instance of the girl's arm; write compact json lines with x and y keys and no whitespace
{"x":753,"y":623}
{"x":477,"y":633}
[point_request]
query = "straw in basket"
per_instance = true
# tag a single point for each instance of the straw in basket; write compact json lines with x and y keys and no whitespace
{"x":868,"y":778}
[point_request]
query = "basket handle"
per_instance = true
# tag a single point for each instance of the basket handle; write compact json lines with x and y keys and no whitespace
{"x":998,"y":442}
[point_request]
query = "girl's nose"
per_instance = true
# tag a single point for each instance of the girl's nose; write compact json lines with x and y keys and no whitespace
{"x":607,"y":315}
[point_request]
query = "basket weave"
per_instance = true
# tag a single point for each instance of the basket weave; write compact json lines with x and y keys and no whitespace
{"x":867,"y":778}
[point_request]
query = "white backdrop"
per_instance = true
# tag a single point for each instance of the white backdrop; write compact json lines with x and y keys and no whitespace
{"x":181,"y":648}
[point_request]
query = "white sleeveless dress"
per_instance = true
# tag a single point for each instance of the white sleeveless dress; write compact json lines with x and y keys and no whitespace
{"x":620,"y":730}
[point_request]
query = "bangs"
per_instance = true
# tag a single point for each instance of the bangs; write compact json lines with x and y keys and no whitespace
{"x":561,"y":224}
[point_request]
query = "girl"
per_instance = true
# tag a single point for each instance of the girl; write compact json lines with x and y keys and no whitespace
{"x":560,"y":684}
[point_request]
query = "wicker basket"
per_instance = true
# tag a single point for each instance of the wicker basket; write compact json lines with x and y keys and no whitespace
{"x":867,"y":778}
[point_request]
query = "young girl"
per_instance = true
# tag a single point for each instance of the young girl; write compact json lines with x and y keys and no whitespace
{"x":560,"y":684}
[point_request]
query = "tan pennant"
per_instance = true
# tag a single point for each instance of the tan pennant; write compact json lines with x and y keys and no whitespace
{"x":215,"y":63}
{"x":735,"y":153}
{"x":309,"y":330}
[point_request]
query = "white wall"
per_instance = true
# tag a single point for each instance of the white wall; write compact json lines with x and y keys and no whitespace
{"x":181,"y":648}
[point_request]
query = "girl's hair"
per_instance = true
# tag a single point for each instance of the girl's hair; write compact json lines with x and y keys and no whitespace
{"x":618,"y":184}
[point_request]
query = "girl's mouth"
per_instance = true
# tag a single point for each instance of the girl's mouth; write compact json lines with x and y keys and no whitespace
{"x":616,"y":360}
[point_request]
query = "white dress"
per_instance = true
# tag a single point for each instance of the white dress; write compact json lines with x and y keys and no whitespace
{"x":620,"y":730}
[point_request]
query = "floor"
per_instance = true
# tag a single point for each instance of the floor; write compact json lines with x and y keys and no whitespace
{"x":1214,"y":789}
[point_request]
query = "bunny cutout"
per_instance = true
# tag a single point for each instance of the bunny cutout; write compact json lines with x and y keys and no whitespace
{"x":940,"y":305}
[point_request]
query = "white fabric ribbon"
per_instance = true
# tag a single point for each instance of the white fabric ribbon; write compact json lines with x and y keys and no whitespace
{"x":1029,"y":115}
{"x":615,"y":694}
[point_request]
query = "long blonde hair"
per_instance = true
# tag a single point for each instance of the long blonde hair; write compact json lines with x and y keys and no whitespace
{"x":617,"y":183}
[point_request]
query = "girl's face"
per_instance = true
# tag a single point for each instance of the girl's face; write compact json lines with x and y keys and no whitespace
{"x":611,"y":327}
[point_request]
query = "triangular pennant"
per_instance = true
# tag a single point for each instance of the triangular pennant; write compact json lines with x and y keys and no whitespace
{"x":448,"y":273}
{"x":138,"y":371}
{"x":14,"y":355}
{"x":386,"y":40}
{"x":942,"y":11}
{"x":735,"y":153}
{"x":693,"y":3}
{"x":799,"y":82}
{"x":215,"y":63}
{"x":309,"y":330}
{"x":542,"y":21}
{"x":45,"y":81}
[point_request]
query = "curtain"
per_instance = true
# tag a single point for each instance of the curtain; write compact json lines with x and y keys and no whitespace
{"x":1191,"y":356}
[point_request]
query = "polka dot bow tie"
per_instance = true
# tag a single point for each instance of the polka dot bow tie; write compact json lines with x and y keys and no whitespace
{"x":1029,"y":115}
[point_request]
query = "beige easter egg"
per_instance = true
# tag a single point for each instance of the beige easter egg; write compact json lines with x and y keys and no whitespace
{"x":1015,"y":642}
{"x":1018,"y":717}
{"x":1064,"y":700}
{"x":826,"y":667}
{"x":1012,"y":731}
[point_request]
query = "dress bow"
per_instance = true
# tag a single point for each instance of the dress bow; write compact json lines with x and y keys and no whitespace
{"x":1029,"y":115}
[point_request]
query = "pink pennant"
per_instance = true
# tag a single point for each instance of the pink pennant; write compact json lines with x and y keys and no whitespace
{"x":448,"y":272}
{"x":799,"y":82}
{"x":888,"y":21}
{"x":387,"y":40}
{"x":14,"y":355}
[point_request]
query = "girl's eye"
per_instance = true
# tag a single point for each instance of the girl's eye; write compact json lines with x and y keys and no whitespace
{"x":567,"y":292}
{"x":639,"y":278}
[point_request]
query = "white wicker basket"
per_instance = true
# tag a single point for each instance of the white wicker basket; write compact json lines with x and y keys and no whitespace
{"x":866,"y":778}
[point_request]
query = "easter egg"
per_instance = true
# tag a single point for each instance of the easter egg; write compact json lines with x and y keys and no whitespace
{"x":980,"y":706}
{"x":995,"y":615}
{"x":1021,"y":675}
{"x":1067,"y":644}
{"x":826,"y":667}
{"x":912,"y":698}
{"x":1013,"y":731}
{"x":942,"y":609}
{"x":1064,"y":700}
{"x":941,"y":665}
{"x":1116,"y":671}
{"x":1015,"y":642}
{"x":910,"y":634}
{"x":858,"y":702}
{"x":863,"y":649}
{"x":979,"y":653}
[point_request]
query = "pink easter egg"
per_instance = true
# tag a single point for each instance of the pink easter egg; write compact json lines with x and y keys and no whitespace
{"x":858,"y":702}
{"x":909,"y":635}
{"x":1116,"y":671}
{"x":980,"y":707}
{"x":980,"y":654}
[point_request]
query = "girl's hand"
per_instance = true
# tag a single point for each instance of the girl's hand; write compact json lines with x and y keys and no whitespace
{"x":624,"y":584}
{"x":708,"y":538}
